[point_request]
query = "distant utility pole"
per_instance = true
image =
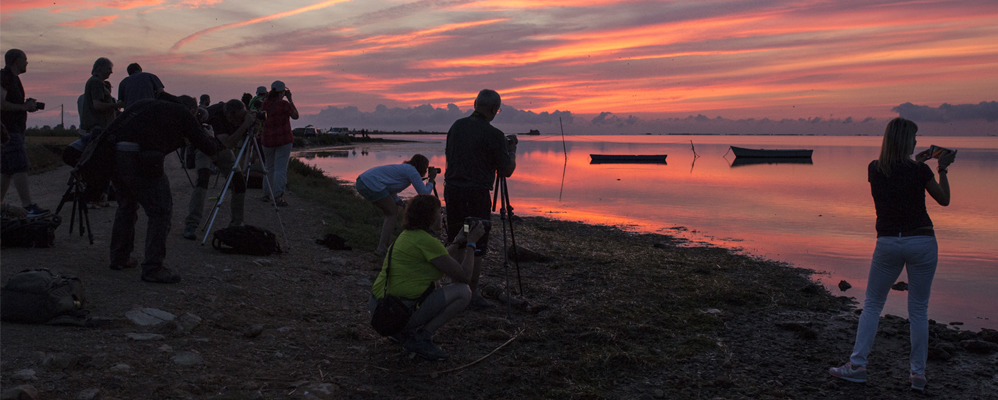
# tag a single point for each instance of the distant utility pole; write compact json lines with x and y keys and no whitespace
{"x":62,"y":116}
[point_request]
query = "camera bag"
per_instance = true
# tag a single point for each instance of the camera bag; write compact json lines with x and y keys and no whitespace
{"x":246,"y":239}
{"x":38,"y":296}
{"x":392,"y":314}
{"x":96,"y":163}
{"x":29,"y":232}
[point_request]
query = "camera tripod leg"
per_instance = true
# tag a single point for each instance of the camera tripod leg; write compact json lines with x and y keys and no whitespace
{"x":184,"y":166}
{"x":273,"y":199}
{"x":512,"y":235}
{"x":505,"y":257}
{"x":221,"y":196}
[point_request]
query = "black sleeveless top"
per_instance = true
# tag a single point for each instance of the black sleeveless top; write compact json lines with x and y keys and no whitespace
{"x":900,"y":198}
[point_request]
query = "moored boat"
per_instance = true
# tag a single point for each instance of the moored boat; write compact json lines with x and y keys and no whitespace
{"x":628,"y":158}
{"x":764,"y":153}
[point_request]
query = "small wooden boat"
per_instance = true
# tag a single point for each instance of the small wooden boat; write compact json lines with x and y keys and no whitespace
{"x":627,"y":159}
{"x":763,"y":153}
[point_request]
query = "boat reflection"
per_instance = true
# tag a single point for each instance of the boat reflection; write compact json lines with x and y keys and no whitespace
{"x":324,"y":154}
{"x":743,"y":161}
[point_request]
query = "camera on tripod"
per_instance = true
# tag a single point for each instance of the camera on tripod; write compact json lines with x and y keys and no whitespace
{"x":435,"y":170}
{"x":259,"y":115}
{"x":511,"y":139}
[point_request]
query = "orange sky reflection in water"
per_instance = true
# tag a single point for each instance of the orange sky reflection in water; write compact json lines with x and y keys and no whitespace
{"x":818,"y":216}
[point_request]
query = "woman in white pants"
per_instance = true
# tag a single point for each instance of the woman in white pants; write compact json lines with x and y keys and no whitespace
{"x":905,"y":239}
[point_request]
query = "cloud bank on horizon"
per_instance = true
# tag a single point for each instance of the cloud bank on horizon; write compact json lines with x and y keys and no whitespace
{"x":600,"y":65}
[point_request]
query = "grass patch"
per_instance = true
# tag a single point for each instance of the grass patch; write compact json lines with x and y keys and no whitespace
{"x":45,"y":152}
{"x":345,"y":213}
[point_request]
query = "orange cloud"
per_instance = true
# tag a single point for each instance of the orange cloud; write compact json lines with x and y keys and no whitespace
{"x":265,"y":18}
{"x":91,"y":22}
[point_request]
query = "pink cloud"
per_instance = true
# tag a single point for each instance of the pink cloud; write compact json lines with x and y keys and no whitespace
{"x":91,"y":22}
{"x":265,"y":18}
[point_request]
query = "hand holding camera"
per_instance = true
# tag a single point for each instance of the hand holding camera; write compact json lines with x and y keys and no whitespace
{"x":511,"y":142}
{"x":474,"y":229}
{"x":432,"y":172}
{"x":32,"y":105}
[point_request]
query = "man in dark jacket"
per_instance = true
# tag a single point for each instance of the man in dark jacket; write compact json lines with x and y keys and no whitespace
{"x":476,"y":151}
{"x":145,"y":133}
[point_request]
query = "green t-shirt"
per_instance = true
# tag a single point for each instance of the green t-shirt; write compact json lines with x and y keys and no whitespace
{"x":412,"y":270}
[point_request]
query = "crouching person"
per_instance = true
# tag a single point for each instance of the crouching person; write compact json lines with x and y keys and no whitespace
{"x":146,"y":132}
{"x":417,"y":260}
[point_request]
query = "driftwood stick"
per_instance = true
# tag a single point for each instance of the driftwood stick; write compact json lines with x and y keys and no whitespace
{"x":438,"y":373}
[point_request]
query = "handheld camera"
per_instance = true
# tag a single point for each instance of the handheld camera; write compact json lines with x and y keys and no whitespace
{"x":511,"y":139}
{"x":471,"y":220}
{"x":434,"y":169}
{"x":936,"y":151}
{"x":39,"y":105}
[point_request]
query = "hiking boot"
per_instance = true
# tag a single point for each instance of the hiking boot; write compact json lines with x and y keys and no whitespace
{"x":160,"y":275}
{"x":421,"y":344}
{"x":190,"y":232}
{"x":132,"y":263}
{"x":265,"y":198}
{"x":849,"y":373}
{"x":479,"y":303}
{"x":917,"y":381}
{"x":35,"y":211}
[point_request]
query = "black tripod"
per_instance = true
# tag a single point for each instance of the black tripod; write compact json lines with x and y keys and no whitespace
{"x":76,"y":193}
{"x":501,"y":195}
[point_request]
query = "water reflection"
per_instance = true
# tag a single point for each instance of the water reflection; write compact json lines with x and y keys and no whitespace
{"x":817,"y":215}
{"x":742,"y":161}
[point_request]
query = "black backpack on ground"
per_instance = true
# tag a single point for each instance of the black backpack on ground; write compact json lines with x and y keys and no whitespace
{"x":29,"y":232}
{"x":246,"y":239}
{"x":37,"y":296}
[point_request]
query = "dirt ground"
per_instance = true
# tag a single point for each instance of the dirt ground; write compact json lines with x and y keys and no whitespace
{"x":608,"y":315}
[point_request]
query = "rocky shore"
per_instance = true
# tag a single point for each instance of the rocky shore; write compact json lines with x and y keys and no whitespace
{"x":603,"y":314}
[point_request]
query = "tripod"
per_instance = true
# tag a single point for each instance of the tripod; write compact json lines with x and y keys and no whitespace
{"x":247,"y":142}
{"x":76,"y":193}
{"x":501,"y":195}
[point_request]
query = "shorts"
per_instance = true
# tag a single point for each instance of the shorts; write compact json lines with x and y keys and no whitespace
{"x":434,"y":304}
{"x":14,"y":156}
{"x":463,"y":203}
{"x":369,"y":194}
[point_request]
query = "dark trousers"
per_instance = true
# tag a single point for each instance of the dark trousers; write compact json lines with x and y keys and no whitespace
{"x":463,"y":203}
{"x":138,"y":187}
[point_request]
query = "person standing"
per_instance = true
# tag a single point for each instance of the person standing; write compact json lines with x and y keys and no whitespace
{"x":146,"y":132}
{"x":277,"y":138}
{"x":14,"y":164}
{"x":476,"y":151}
{"x":205,"y":101}
{"x":257,"y":101}
{"x":99,"y":108}
{"x":905,"y":240}
{"x":227,"y":120}
{"x":138,"y":85}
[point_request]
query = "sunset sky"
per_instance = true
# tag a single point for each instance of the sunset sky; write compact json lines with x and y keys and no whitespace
{"x":604,"y":66}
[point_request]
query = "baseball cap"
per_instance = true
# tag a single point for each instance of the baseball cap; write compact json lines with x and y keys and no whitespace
{"x":278,"y":86}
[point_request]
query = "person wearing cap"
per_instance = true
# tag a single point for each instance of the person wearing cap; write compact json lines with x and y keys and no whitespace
{"x":277,"y":139}
{"x":257,"y":101}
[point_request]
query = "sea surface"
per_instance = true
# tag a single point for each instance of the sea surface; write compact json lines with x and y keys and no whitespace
{"x":818,"y":216}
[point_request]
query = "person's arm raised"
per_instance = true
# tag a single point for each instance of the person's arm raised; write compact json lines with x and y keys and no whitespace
{"x":461,"y":272}
{"x":940,"y":190}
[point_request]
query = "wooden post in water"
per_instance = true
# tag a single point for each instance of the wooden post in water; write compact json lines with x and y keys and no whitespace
{"x":563,"y":146}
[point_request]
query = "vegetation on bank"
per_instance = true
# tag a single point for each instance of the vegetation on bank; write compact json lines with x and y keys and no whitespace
{"x":345,"y":212}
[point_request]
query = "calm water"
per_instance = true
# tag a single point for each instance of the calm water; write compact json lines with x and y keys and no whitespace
{"x":817,"y":216}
